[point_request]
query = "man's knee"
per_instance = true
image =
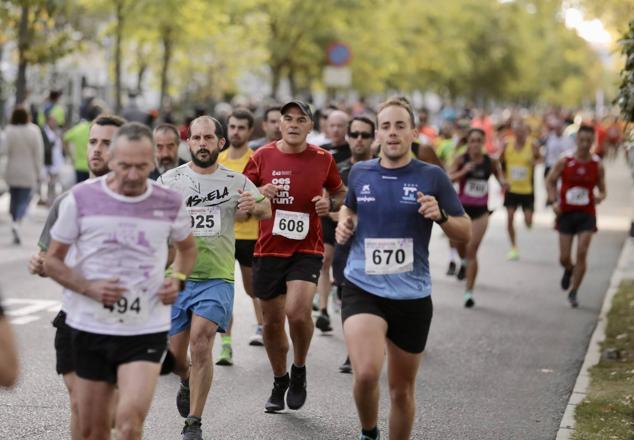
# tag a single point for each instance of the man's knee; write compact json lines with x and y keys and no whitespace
{"x":366,"y":377}
{"x":402,"y":393}
{"x":299,"y":315}
{"x":200,"y":346}
{"x":129,"y":424}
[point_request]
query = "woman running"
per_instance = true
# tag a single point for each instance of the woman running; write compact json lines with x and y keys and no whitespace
{"x":472,"y":170}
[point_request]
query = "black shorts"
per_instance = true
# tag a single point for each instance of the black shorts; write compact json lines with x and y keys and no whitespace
{"x":475,"y":212}
{"x":514,"y":200}
{"x":328,"y":230}
{"x":63,"y":345}
{"x":244,"y":252}
{"x":408,"y":320}
{"x":572,"y":223}
{"x":97,"y":357}
{"x":270,"y":274}
{"x":546,"y":171}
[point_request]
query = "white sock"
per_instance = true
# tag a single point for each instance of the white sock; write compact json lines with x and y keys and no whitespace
{"x":453,"y":254}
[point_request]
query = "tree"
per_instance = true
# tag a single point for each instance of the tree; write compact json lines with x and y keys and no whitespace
{"x":43,"y":33}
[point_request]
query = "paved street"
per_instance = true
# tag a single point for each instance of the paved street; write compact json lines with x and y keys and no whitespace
{"x":503,"y":370}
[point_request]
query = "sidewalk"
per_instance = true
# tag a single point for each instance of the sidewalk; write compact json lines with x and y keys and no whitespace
{"x":624,"y":270}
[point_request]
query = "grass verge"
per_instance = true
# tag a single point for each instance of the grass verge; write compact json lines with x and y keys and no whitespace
{"x":607,"y":412}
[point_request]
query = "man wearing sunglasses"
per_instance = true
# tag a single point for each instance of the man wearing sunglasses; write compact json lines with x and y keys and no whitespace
{"x":360,"y":137}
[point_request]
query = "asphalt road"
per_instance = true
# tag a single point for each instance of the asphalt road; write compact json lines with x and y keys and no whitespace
{"x":503,"y":370}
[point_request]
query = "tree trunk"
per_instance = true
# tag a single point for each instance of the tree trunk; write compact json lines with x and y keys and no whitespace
{"x":140,"y":76}
{"x":2,"y":90}
{"x":23,"y":46}
{"x":167,"y":58}
{"x":292,"y":81}
{"x":117,"y":55}
{"x":276,"y":76}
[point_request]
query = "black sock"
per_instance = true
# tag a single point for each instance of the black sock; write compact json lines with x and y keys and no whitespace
{"x":324,"y":312}
{"x":372,"y":433}
{"x":193,"y":419}
{"x":295,"y":370}
{"x":282,"y":379}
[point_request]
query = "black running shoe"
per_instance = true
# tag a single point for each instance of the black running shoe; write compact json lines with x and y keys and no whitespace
{"x":276,"y":401}
{"x":296,"y":395}
{"x":323,"y":323}
{"x":451,"y":270}
{"x":346,"y":367}
{"x":192,"y":430}
{"x":565,"y":279}
{"x":182,"y":400}
{"x":572,"y":299}
{"x":462,"y":273}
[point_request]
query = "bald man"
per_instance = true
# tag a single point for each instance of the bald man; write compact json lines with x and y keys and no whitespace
{"x":336,"y":128}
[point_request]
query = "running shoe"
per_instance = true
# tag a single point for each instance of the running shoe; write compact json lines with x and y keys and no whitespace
{"x":16,"y":235}
{"x":192,"y":430}
{"x":513,"y":255}
{"x":468,"y":300}
{"x":451,"y":270}
{"x":323,"y":323}
{"x":256,"y":339}
{"x":276,"y":401}
{"x":462,"y":272}
{"x":182,"y":400}
{"x":565,"y":279}
{"x":572,"y":299}
{"x":365,"y":437}
{"x":346,"y":367}
{"x":296,"y":395}
{"x":226,"y":355}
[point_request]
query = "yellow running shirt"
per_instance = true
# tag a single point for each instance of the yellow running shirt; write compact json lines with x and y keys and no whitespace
{"x":244,"y":230}
{"x":519,"y":167}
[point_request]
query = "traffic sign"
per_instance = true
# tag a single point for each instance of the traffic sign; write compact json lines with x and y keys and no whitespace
{"x":338,"y":54}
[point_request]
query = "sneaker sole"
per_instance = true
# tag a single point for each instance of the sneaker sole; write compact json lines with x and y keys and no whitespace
{"x":256,"y":344}
{"x":224,"y":362}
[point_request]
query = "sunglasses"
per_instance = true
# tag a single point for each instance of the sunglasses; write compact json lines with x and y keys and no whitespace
{"x":363,"y":134}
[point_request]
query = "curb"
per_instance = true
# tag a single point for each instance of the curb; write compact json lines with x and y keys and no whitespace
{"x":593,"y":355}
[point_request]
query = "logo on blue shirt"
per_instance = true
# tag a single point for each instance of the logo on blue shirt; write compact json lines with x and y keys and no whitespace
{"x":409,"y":193}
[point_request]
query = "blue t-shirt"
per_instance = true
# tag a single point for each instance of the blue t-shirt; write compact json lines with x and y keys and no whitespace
{"x":385,"y":202}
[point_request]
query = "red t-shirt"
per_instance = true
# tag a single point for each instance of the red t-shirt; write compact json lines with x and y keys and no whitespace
{"x":578,"y":180}
{"x":303,"y":175}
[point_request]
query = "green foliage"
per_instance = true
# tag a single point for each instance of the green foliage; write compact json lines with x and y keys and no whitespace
{"x":626,"y":89}
{"x":196,"y":50}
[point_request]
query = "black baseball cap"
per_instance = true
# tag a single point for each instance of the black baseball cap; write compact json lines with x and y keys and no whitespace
{"x":300,"y":105}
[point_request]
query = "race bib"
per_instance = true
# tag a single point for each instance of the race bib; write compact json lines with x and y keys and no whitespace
{"x":476,"y":188}
{"x":578,"y":196}
{"x":132,"y":308}
{"x":519,"y":173}
{"x":384,"y":256}
{"x":290,"y":224}
{"x":205,"y":221}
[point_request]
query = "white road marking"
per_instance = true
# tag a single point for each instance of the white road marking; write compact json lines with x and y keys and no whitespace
{"x":29,"y":306}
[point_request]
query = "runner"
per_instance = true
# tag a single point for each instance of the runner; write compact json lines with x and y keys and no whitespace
{"x":166,"y":142}
{"x":579,"y":174}
{"x":386,"y":300}
{"x":270,"y":127}
{"x":340,"y":149}
{"x":472,"y":170}
{"x":101,"y":132}
{"x":289,"y":249}
{"x":519,"y":156}
{"x":235,"y":158}
{"x":360,"y":137}
{"x":118,"y":308}
{"x":215,"y":196}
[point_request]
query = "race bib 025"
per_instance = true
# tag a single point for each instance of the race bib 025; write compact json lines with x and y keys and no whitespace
{"x":205,"y":221}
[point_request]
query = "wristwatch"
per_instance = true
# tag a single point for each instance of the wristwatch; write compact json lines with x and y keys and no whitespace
{"x":443,"y":217}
